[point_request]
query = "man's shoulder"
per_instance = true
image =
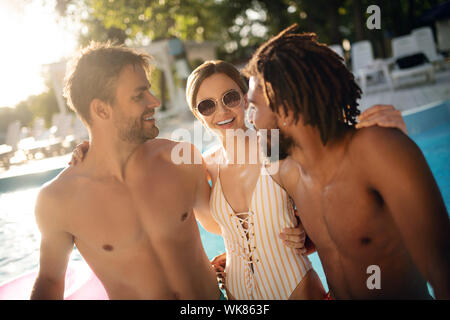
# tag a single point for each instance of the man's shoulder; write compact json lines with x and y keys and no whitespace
{"x":376,"y":134}
{"x":383,"y":147}
{"x":167,"y":154}
{"x":54,"y":195}
{"x":59,"y":186}
{"x":289,"y":173}
{"x":375,"y":139}
{"x":160,"y":148}
{"x":156,"y":146}
{"x":153,"y":166}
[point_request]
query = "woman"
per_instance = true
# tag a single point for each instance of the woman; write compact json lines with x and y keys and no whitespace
{"x":249,"y":204}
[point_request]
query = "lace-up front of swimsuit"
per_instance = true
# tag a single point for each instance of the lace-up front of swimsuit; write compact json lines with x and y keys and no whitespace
{"x":259,"y":265}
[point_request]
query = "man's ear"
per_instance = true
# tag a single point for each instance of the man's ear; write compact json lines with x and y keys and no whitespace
{"x":285,"y":119}
{"x":100,"y":109}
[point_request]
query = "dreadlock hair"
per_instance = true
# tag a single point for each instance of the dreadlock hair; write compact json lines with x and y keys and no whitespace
{"x":300,"y":74}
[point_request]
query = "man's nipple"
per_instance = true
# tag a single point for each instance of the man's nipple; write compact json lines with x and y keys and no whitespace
{"x":365,"y":241}
{"x":108,"y":247}
{"x":184,"y":216}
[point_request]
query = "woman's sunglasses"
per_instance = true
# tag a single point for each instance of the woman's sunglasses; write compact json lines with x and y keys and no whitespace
{"x":230,"y":99}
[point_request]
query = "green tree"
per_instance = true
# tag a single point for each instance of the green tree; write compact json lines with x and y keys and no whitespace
{"x":136,"y":19}
{"x":239,"y":26}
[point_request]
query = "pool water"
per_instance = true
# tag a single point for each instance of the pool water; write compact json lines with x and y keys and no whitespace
{"x":19,"y":236}
{"x":435,"y":145}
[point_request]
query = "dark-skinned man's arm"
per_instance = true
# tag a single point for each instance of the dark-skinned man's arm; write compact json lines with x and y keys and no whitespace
{"x":400,"y":173}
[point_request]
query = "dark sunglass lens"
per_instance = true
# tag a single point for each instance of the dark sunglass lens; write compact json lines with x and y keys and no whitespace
{"x":231,"y":98}
{"x":206,"y":107}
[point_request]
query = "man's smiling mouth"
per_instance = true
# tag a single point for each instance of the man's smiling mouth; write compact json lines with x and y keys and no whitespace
{"x":149,"y":118}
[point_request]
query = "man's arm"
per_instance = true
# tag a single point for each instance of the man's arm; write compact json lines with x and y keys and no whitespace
{"x":399,"y":172}
{"x":56,"y":246}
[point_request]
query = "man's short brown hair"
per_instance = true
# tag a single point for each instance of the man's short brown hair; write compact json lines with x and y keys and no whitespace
{"x":93,"y":74}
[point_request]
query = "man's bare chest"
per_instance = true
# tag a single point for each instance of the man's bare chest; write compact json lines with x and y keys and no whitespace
{"x":342,"y":215}
{"x":110,"y":219}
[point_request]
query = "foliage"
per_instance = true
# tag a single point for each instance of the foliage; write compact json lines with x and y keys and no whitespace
{"x":238,"y":26}
{"x":43,"y":105}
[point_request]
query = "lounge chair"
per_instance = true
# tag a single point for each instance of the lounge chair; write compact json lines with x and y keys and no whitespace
{"x":61,"y":133}
{"x":364,"y":64}
{"x":42,"y":141}
{"x":406,"y":46}
{"x":442,"y":32}
{"x":425,"y":41}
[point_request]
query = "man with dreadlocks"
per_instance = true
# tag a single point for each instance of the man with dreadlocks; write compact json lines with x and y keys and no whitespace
{"x":367,"y":198}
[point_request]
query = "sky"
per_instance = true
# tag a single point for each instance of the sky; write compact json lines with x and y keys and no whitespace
{"x":32,"y":35}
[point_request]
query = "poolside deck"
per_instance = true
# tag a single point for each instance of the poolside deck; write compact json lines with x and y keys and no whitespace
{"x":410,"y":94}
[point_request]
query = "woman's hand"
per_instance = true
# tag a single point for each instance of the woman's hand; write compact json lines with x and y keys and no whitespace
{"x":295,"y":238}
{"x":79,"y":152}
{"x":383,"y":116}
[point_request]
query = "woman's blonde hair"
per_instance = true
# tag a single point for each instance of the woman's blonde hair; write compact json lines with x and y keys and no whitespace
{"x":207,"y":69}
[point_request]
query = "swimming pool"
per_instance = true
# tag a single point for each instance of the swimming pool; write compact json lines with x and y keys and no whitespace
{"x":429,"y":127}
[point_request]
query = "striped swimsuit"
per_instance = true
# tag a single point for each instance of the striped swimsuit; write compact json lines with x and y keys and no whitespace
{"x":259,"y":266}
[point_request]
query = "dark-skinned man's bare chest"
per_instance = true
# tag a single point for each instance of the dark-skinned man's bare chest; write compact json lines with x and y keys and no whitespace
{"x":345,"y":214}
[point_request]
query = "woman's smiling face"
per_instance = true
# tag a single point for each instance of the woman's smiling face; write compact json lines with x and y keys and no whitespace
{"x":214,"y":87}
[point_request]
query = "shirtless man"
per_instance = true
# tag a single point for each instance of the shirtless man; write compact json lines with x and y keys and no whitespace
{"x":127,"y":207}
{"x":366,"y":198}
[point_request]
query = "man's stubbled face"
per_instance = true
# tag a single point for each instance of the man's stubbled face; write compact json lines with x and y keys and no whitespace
{"x":134,"y":130}
{"x":134,"y":106}
{"x":283,"y":143}
{"x":262,"y":117}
